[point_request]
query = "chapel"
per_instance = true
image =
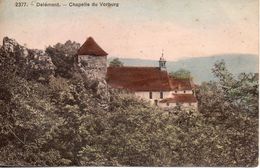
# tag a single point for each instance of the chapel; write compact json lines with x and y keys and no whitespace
{"x":151,"y":83}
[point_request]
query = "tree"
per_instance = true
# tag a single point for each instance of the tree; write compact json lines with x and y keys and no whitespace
{"x":67,"y":121}
{"x":62,"y":56}
{"x":230,"y":106}
{"x":181,"y":74}
{"x":116,"y":63}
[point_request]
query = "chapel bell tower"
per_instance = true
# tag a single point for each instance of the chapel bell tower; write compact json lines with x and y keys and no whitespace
{"x":162,"y":63}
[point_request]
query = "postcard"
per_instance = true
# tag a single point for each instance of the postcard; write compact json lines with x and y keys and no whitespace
{"x":129,"y":83}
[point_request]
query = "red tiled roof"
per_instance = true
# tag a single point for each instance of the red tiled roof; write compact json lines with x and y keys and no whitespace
{"x":181,"y":84}
{"x":90,"y":47}
{"x":180,"y":98}
{"x":138,"y":78}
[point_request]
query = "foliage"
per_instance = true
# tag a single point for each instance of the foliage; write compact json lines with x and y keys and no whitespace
{"x":181,"y":74}
{"x":116,"y":63}
{"x":62,"y":56}
{"x":69,"y":122}
{"x":230,"y":105}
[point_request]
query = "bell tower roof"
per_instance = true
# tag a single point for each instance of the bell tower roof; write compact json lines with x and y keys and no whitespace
{"x":162,"y":63}
{"x":162,"y":58}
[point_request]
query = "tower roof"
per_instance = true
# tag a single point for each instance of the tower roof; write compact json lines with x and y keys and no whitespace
{"x":90,"y":47}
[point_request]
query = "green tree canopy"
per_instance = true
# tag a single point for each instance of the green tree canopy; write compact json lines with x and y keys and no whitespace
{"x":116,"y":63}
{"x":68,"y":123}
{"x":230,"y":106}
{"x":62,"y":56}
{"x":181,"y":74}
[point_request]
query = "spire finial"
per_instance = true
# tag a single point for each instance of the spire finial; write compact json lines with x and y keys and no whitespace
{"x":162,"y":52}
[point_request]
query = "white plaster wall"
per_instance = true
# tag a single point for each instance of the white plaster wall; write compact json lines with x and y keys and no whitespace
{"x":185,"y":104}
{"x":182,"y":92}
{"x":167,"y":94}
{"x":144,"y":95}
{"x":155,"y":95}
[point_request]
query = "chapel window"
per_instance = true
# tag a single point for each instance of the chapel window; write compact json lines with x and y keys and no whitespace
{"x":161,"y":95}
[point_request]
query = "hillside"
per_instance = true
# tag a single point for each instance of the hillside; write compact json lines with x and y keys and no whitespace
{"x":200,"y":67}
{"x":53,"y":115}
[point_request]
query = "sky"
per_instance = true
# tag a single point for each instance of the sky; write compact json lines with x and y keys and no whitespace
{"x":139,"y":28}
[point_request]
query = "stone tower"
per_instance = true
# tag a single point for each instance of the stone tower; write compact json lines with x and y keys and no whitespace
{"x":92,"y":59}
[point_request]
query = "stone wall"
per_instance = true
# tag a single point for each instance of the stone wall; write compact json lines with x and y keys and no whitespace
{"x":95,"y":67}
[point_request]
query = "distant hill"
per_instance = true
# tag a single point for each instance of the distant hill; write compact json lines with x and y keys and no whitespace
{"x":200,"y":67}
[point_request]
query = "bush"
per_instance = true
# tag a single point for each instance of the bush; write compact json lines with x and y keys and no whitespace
{"x":69,"y":122}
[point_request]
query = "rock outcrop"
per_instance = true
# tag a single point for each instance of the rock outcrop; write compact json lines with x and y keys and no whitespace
{"x":41,"y":65}
{"x":31,"y":64}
